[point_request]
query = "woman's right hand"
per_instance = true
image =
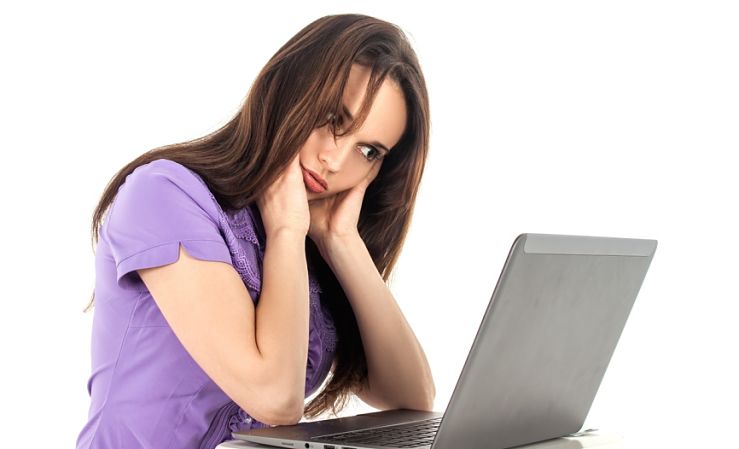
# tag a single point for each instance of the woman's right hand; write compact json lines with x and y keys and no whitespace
{"x":284,"y":205}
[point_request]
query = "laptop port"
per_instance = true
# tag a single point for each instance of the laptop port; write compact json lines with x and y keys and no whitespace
{"x":328,"y":446}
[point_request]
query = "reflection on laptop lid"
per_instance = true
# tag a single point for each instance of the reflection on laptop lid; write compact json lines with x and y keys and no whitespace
{"x":540,"y":353}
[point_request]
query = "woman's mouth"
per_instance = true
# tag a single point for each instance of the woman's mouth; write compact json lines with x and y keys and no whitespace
{"x":312,"y":181}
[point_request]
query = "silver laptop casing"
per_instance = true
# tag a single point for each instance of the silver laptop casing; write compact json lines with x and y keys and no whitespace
{"x":540,"y":353}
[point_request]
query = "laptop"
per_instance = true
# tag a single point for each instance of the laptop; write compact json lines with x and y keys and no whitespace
{"x":536,"y":362}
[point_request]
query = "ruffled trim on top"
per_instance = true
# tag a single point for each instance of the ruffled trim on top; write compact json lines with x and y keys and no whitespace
{"x":241,"y":222}
{"x":246,"y":270}
{"x":241,"y":225}
{"x":325,"y":326}
{"x":247,"y":224}
{"x":313,"y":285}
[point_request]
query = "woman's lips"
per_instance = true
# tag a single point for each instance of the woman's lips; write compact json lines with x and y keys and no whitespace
{"x":314,"y":182}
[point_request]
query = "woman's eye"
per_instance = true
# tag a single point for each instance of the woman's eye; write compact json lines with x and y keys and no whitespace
{"x":371,"y":155}
{"x":334,"y":122}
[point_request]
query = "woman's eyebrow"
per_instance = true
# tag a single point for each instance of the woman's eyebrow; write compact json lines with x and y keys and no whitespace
{"x":351,"y":118}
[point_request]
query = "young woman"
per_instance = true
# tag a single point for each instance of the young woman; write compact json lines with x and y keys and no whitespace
{"x":225,"y":263}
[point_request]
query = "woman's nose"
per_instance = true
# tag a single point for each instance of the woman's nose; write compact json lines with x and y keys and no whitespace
{"x":333,"y":153}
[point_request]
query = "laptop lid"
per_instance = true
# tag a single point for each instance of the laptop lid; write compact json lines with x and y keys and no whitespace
{"x":545,"y":340}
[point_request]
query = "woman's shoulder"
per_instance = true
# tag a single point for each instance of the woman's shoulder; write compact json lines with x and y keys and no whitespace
{"x":165,"y":173}
{"x":245,"y":222}
{"x":164,"y":184}
{"x":169,"y":169}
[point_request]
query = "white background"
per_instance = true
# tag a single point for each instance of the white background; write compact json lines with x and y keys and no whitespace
{"x":592,"y":118}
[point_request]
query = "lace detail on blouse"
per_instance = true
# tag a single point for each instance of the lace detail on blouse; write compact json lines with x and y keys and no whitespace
{"x":326,"y":327}
{"x":313,"y":285}
{"x":240,"y":221}
{"x":245,"y":269}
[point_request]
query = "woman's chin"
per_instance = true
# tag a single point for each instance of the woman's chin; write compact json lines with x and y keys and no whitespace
{"x":312,"y":196}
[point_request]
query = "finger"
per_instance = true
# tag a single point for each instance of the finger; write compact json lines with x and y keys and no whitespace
{"x":295,"y":164}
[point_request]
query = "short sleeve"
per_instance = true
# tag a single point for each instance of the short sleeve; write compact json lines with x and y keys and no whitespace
{"x":161,"y":205}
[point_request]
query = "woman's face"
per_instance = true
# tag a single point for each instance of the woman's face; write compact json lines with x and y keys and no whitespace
{"x":346,"y":160}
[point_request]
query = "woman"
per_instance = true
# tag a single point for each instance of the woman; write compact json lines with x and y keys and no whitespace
{"x":224,"y":263}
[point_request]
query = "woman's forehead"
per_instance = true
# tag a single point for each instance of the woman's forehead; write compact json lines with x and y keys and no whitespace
{"x":387,"y":116}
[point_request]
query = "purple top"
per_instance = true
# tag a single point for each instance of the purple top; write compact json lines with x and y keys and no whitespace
{"x":146,"y":390}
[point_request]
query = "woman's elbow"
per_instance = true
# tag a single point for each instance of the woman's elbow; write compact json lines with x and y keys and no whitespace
{"x":285,"y":416}
{"x":422,"y":400}
{"x":273,"y":406}
{"x":427,"y":404}
{"x":280,"y":412}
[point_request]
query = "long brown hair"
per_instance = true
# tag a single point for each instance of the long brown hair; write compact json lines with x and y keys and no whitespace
{"x":293,"y":94}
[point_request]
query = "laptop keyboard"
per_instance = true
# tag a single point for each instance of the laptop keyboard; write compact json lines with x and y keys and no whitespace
{"x":415,"y":434}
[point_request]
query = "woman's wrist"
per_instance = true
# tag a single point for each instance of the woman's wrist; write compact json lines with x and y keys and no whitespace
{"x":335,"y":248}
{"x":288,"y":233}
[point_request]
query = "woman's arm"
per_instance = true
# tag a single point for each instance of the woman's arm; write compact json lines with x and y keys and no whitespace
{"x":256,"y":355}
{"x":399,"y":374}
{"x":282,"y":312}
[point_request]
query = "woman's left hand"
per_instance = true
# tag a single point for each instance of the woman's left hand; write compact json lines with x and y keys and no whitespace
{"x":338,"y":215}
